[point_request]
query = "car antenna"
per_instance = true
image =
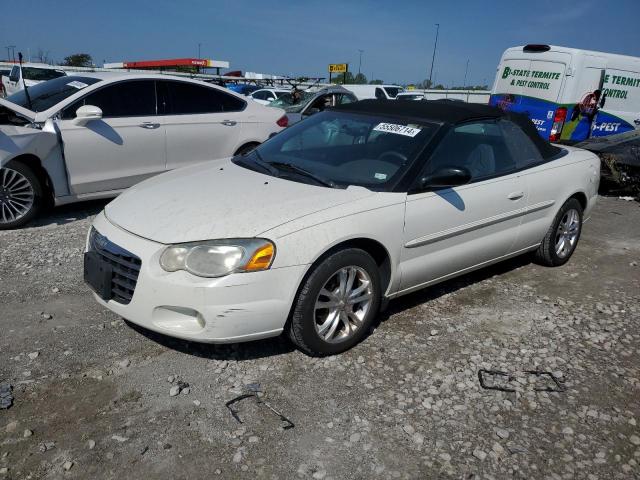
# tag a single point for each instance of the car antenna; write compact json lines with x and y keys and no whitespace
{"x":26,"y":90}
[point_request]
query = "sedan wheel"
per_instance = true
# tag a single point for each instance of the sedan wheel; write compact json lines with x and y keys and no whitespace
{"x":336,"y":304}
{"x":16,"y":195}
{"x":343,"y":303}
{"x":563,"y":235}
{"x":567,"y":233}
{"x":20,"y":195}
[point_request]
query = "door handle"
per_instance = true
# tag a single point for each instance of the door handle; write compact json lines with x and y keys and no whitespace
{"x":149,"y":125}
{"x":229,"y":123}
{"x":515,"y":195}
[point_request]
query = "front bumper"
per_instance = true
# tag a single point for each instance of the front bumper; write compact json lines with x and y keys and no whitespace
{"x":234,"y":308}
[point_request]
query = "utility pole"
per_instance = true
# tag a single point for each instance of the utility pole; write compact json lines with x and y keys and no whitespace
{"x":360,"y":62}
{"x":466,"y":70}
{"x":11,"y":53}
{"x":199,"y":45}
{"x":433,"y":59}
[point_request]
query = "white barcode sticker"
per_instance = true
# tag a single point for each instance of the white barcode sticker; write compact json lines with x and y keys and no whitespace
{"x":397,"y":129}
{"x":77,"y":84}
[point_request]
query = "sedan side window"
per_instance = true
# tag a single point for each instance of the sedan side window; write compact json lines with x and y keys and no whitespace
{"x":523,"y":150}
{"x":479,"y":147}
{"x":135,"y":98}
{"x":189,"y":98}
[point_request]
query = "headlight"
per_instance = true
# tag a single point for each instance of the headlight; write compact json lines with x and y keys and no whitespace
{"x":216,"y":258}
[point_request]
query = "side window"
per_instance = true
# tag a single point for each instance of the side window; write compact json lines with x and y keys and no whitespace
{"x":479,"y":147}
{"x":135,"y":98}
{"x":523,"y":150}
{"x":380,"y":94}
{"x":346,"y":98}
{"x":14,"y":76}
{"x":189,"y":98}
{"x":262,"y":95}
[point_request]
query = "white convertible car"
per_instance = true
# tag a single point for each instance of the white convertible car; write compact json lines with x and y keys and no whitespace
{"x":314,"y":230}
{"x":91,"y":136}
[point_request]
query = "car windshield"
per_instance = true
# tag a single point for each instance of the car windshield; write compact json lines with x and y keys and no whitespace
{"x":40,"y":74}
{"x":45,"y":95}
{"x":291,"y":104}
{"x":339,"y":149}
{"x":393,"y":91}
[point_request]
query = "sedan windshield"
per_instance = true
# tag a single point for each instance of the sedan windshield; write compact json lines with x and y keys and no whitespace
{"x":339,"y":149}
{"x":45,"y":95}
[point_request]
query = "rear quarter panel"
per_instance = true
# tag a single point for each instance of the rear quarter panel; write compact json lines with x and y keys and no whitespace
{"x":551,"y":184}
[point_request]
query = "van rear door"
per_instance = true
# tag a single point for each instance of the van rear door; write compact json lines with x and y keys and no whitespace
{"x":532,"y":86}
{"x":621,"y":109}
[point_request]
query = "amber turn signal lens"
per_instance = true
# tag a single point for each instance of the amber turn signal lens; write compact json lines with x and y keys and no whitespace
{"x":262,"y":259}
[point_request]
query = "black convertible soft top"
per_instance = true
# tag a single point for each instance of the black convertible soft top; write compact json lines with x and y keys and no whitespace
{"x":452,"y":113}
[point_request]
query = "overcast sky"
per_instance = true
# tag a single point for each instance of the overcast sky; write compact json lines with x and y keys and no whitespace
{"x":302,"y":37}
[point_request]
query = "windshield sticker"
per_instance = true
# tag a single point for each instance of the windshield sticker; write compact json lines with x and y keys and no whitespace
{"x":397,"y":129}
{"x":77,"y":84}
{"x":380,"y":176}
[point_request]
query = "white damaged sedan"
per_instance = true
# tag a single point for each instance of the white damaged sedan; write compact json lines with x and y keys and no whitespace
{"x":316,"y":229}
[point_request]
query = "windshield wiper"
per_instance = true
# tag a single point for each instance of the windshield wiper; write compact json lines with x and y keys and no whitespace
{"x":265,"y":165}
{"x":301,"y":171}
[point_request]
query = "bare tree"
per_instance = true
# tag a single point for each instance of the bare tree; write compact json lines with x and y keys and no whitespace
{"x":42,"y":56}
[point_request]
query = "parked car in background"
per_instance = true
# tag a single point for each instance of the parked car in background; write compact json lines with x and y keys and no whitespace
{"x":267,"y":95}
{"x":93,"y":135}
{"x":305,"y":103}
{"x":242,"y":88}
{"x":381,"y":92}
{"x":31,"y":73}
{"x":570,"y":94}
{"x":322,"y":224}
{"x":410,"y":95}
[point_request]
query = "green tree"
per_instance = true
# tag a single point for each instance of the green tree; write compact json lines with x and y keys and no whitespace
{"x":426,"y":84}
{"x":360,"y":79}
{"x":342,"y":78}
{"x":78,"y":60}
{"x":376,"y":82}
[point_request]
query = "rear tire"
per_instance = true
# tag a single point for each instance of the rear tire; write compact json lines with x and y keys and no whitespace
{"x":247,"y":148}
{"x":336,"y":303}
{"x":21,"y":195}
{"x":562,"y":237}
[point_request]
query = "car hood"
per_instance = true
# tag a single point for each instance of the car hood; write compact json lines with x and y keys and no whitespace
{"x":219,"y":199}
{"x":23,"y":112}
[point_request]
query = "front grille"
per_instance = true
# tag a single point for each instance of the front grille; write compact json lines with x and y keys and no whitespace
{"x":125,"y":265}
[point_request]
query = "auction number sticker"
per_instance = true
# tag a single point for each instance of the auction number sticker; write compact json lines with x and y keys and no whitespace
{"x":397,"y":129}
{"x":77,"y":84}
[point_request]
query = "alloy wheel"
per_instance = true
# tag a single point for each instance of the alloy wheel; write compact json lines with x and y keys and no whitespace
{"x":342,"y":304}
{"x":567,"y":233}
{"x":16,"y":195}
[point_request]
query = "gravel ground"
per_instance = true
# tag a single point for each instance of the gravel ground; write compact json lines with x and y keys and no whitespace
{"x":92,"y":393}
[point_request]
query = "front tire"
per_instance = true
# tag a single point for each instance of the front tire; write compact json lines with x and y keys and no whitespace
{"x":246,"y":148}
{"x":562,"y":237}
{"x":21,"y":195}
{"x":336,"y":304}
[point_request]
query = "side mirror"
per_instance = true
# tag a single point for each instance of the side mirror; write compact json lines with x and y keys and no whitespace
{"x":446,"y":177}
{"x":311,"y":111}
{"x":86,"y":113}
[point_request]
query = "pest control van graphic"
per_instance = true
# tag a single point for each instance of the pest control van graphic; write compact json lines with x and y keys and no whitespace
{"x":570,"y":94}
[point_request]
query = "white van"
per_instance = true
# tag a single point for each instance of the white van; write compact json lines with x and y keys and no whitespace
{"x":381,"y":92}
{"x":570,"y":94}
{"x":32,"y":73}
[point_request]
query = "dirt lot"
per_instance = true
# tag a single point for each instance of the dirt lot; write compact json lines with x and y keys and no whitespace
{"x":92,"y":393}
